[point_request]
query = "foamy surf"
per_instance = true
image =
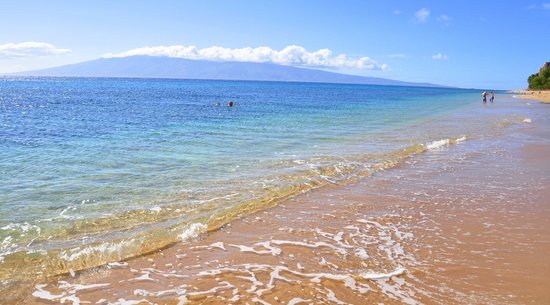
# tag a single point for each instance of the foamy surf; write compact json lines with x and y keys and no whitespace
{"x":192,"y":231}
{"x":330,"y":264}
{"x":378,"y":276}
{"x":435,"y":145}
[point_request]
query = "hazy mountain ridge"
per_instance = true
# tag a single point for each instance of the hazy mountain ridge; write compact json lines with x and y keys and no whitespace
{"x":179,"y":68}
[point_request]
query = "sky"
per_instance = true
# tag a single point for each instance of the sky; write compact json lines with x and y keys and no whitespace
{"x":469,"y":44}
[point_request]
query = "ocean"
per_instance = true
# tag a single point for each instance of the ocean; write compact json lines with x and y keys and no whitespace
{"x":99,"y":170}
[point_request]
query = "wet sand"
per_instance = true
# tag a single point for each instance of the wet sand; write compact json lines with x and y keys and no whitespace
{"x":467,"y":224}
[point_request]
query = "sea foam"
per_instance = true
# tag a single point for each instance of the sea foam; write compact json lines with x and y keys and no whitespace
{"x":377,"y":276}
{"x":437,"y":144}
{"x":192,"y":231}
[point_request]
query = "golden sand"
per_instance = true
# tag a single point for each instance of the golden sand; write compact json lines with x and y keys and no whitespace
{"x":541,"y":96}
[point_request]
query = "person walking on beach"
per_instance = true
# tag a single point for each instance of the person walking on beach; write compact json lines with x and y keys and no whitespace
{"x":492,"y":97}
{"x":484,"y":94}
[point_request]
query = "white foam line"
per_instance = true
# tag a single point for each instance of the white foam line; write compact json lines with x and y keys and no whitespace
{"x":163,"y":293}
{"x":378,"y":276}
{"x":67,"y":295}
{"x":144,"y":277}
{"x":314,"y":245}
{"x":295,"y":301}
{"x":352,"y":284}
{"x":117,"y":265}
{"x":332,"y":297}
{"x":257,"y":300}
{"x":183,"y":297}
{"x":461,"y":139}
{"x":104,"y":249}
{"x":252,"y":278}
{"x":374,"y":223}
{"x":338,"y":237}
{"x":77,"y":287}
{"x":191,"y":231}
{"x":274,"y":275}
{"x":219,"y":245}
{"x":437,"y":144}
{"x":266,"y":244}
{"x":314,"y":277}
{"x":243,"y":248}
{"x":62,"y":214}
{"x":396,"y":292}
{"x":44,"y":294}
{"x":155,"y":209}
{"x":324,"y":262}
{"x":129,"y":302}
{"x":361,"y":253}
{"x":222,"y":197}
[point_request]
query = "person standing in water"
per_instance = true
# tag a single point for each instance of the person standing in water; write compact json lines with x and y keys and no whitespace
{"x":492,"y":96}
{"x":484,"y":95}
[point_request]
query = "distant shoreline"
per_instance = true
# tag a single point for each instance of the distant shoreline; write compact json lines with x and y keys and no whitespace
{"x":541,"y":96}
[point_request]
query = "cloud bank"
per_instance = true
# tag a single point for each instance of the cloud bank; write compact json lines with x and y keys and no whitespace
{"x":30,"y":49}
{"x":290,"y":56}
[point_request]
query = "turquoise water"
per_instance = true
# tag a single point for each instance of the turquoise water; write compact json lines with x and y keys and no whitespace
{"x":96,"y":170}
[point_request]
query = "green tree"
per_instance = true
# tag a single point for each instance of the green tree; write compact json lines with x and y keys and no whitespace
{"x":539,"y":81}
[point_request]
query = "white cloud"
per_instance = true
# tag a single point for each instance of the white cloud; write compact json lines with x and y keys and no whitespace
{"x":422,"y":15}
{"x":30,"y":49}
{"x":440,"y":56}
{"x":396,"y":12}
{"x":291,"y":56}
{"x":446,"y":20}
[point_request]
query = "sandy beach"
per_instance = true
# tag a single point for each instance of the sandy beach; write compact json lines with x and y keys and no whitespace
{"x":541,"y":96}
{"x":463,"y":225}
{"x":267,"y":153}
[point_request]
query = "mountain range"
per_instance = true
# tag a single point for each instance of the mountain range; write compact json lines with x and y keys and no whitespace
{"x":180,"y":68}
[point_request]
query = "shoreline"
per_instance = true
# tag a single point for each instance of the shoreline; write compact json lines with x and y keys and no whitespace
{"x":539,"y":96}
{"x":402,"y":236}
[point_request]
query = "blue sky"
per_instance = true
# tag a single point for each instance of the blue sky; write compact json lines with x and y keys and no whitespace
{"x":480,"y":44}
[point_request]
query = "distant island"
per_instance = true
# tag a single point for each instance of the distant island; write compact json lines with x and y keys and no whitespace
{"x":179,"y":68}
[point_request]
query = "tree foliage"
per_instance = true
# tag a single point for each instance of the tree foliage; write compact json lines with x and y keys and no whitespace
{"x":540,"y":81}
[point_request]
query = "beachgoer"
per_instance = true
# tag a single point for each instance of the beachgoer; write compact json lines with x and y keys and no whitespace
{"x":484,"y":94}
{"x":230,"y":104}
{"x":218,"y":104}
{"x":492,"y":96}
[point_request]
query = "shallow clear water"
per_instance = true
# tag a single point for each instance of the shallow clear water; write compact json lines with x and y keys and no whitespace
{"x":95,"y":170}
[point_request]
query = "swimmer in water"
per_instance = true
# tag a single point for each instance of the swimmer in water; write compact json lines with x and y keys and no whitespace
{"x":230,"y":104}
